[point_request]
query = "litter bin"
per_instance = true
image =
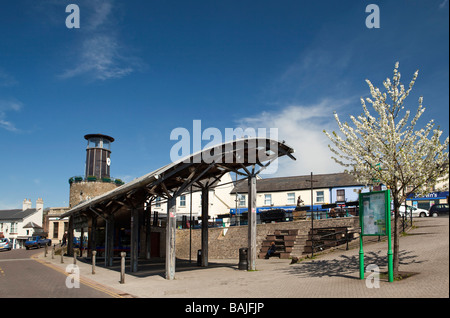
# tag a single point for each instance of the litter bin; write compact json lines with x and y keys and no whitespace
{"x":243,"y":263}
{"x":199,"y":258}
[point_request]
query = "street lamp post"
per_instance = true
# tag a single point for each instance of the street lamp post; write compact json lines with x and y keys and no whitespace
{"x":312,"y":214}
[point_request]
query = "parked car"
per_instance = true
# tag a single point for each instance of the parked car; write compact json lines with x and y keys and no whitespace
{"x":5,"y":244}
{"x":416,"y":212}
{"x":37,"y":241}
{"x":438,"y":209}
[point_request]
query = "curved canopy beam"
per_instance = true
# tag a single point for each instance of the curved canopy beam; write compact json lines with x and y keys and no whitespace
{"x":242,"y":156}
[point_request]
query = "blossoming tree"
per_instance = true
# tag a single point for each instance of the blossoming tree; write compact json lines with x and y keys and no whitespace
{"x":384,"y":147}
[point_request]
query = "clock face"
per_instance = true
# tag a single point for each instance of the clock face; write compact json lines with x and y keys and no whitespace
{"x":108,"y":161}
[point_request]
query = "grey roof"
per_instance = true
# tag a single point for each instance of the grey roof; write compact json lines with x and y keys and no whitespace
{"x":32,"y":225}
{"x":331,"y":180}
{"x":16,"y":214}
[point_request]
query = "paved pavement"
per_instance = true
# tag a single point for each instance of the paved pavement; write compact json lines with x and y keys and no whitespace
{"x":424,"y":251}
{"x":21,"y":276}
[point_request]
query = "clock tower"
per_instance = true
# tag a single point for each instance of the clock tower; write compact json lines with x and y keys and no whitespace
{"x":98,"y":153}
{"x":97,"y":179}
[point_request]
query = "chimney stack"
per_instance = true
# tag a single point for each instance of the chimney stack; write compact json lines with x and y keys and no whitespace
{"x":26,"y":204}
{"x":40,"y":205}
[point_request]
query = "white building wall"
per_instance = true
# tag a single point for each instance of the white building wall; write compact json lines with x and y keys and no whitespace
{"x":220,"y":200}
{"x":284,"y":198}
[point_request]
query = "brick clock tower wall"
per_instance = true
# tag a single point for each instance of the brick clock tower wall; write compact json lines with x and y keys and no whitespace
{"x":81,"y":191}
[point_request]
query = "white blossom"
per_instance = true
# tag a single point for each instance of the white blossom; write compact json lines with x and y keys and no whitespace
{"x":385,"y":147}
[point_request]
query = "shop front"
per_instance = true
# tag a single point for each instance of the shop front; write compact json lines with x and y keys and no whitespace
{"x":427,"y":201}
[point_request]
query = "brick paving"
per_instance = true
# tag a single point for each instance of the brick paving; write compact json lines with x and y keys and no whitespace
{"x":423,"y":251}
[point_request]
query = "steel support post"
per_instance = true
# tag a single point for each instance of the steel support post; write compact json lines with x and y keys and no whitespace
{"x":109,"y":247}
{"x":205,"y":204}
{"x":70,"y":237}
{"x":252,"y":222}
{"x":92,"y":245}
{"x":148,"y":229}
{"x":134,"y":240}
{"x":170,"y":238}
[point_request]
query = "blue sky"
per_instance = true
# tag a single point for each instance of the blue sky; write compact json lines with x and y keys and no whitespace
{"x":138,"y":69}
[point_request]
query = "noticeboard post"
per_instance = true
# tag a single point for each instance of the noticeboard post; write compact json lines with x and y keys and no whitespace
{"x":375,"y":220}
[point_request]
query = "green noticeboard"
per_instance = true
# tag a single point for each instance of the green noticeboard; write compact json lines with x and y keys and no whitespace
{"x":375,"y":220}
{"x":374,"y":213}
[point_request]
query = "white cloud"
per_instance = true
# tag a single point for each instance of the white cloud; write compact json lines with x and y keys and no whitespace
{"x":100,"y":57}
{"x":101,"y":54}
{"x":6,"y":106}
{"x":102,"y":11}
{"x":443,"y":3}
{"x":301,"y":127}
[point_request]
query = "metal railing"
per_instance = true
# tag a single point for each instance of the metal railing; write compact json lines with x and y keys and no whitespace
{"x":345,"y":237}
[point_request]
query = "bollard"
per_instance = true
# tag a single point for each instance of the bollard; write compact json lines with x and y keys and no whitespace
{"x":93,"y":261}
{"x":75,"y":252}
{"x":122,"y":268}
{"x":45,"y":250}
{"x":53,"y":251}
{"x":62,"y":255}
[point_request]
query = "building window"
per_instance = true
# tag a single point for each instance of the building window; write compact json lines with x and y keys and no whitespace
{"x":241,"y":200}
{"x":55,"y":229}
{"x":320,"y":197}
{"x":13,"y":228}
{"x":157,"y":202}
{"x":182,"y":201}
{"x":340,"y":195}
{"x":267,"y":199}
{"x":291,"y":198}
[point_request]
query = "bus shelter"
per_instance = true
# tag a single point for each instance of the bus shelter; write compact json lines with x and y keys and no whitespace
{"x":131,"y":202}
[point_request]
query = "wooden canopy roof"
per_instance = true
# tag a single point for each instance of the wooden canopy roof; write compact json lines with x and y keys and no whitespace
{"x":246,"y":157}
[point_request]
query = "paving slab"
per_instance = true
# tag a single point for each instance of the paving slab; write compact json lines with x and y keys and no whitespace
{"x":424,"y":252}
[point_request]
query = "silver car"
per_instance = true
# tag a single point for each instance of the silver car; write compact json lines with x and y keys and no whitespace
{"x":5,"y":244}
{"x":416,"y":212}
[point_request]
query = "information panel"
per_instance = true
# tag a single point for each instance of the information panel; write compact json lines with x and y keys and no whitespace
{"x":374,"y":208}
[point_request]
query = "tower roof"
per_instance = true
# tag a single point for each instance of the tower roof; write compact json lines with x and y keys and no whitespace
{"x":89,"y":136}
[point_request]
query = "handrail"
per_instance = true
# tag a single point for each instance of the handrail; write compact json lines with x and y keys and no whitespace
{"x":346,"y":238}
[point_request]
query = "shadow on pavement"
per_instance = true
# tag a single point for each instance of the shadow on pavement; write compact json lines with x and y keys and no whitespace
{"x":345,"y":266}
{"x":156,"y":266}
